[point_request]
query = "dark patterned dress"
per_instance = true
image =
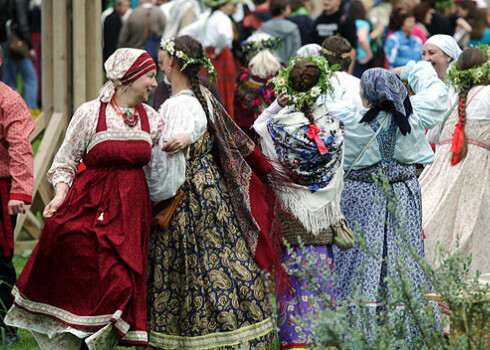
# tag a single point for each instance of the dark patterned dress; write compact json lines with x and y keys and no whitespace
{"x":205,"y":288}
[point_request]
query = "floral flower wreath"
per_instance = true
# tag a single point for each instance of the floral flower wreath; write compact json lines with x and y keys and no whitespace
{"x":169,"y":46}
{"x":461,"y":79}
{"x":308,"y":97}
{"x":259,"y":45}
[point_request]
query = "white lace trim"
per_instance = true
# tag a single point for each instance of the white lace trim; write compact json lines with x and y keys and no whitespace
{"x":118,"y":136}
{"x":214,"y":340}
{"x":136,"y":336}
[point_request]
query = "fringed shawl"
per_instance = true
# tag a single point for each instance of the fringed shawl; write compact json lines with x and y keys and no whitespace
{"x":249,"y":178}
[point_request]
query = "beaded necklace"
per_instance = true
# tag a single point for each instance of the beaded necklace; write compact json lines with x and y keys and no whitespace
{"x":128,"y":116}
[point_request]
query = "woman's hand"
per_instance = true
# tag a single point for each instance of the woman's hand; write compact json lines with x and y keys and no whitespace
{"x":283,"y":99}
{"x":176,"y":143}
{"x":59,"y":197}
{"x":398,"y":70}
{"x":16,"y":207}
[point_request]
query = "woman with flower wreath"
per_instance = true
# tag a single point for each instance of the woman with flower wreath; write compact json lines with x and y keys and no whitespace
{"x":206,"y":289}
{"x":253,"y":91}
{"x":307,"y":143}
{"x":456,"y":188}
{"x":389,"y":137}
{"x":215,"y":32}
{"x":84,"y":286}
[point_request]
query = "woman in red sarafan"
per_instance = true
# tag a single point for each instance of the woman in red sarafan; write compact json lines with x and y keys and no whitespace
{"x":85,"y":283}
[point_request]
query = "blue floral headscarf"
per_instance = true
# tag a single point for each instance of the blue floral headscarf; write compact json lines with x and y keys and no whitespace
{"x":386,"y":92}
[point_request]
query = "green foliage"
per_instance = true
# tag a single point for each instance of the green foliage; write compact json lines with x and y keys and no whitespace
{"x":418,"y":320}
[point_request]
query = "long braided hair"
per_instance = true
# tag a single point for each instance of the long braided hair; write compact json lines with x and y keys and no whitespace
{"x":303,"y":76}
{"x":193,"y":48}
{"x":469,"y":58}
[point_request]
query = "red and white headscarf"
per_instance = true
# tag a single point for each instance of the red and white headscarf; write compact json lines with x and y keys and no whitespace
{"x":123,"y":67}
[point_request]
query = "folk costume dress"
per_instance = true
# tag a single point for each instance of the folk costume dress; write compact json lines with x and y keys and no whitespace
{"x":206,"y":289}
{"x":395,"y":151}
{"x":215,"y":32}
{"x":456,"y":198}
{"x":86,"y":278}
{"x":252,"y":95}
{"x":314,"y":164}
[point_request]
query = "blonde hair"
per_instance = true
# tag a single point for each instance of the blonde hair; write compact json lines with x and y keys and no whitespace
{"x":264,"y":62}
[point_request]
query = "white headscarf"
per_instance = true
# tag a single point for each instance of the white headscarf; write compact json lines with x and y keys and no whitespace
{"x":309,"y":50}
{"x":116,"y":67}
{"x":447,"y":44}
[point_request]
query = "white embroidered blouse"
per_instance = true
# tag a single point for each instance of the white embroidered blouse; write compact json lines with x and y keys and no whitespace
{"x":79,"y":138}
{"x":181,"y":113}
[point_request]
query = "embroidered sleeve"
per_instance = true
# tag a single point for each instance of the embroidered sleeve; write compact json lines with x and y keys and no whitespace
{"x":165,"y":173}
{"x":156,"y":124}
{"x":80,"y":131}
{"x":17,"y":126}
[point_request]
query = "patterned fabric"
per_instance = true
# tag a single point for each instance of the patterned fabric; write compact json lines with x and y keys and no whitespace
{"x":225,"y":67}
{"x":456,"y":198}
{"x":386,"y":92}
{"x":386,"y":140}
{"x":206,"y":290}
{"x":296,"y":309}
{"x":248,"y":175}
{"x":16,"y":160}
{"x":96,"y":280}
{"x":299,"y":154}
{"x":252,"y":96}
{"x":80,"y":137}
{"x":122,"y":67}
{"x":363,"y":203}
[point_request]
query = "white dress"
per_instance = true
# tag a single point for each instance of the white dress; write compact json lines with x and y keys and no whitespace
{"x":456,"y":199}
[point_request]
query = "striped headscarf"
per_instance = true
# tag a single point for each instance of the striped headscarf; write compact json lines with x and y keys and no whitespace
{"x":123,"y":67}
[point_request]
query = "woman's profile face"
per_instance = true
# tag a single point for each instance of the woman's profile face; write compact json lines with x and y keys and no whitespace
{"x":439,"y":60}
{"x":144,"y":85}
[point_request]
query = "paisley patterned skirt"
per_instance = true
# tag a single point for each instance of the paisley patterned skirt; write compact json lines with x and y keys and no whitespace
{"x":205,"y":290}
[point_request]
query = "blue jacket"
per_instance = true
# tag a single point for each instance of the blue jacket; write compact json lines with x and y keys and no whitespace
{"x":399,"y":49}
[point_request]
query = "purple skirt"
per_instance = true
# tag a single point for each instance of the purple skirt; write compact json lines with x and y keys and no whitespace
{"x":296,"y":309}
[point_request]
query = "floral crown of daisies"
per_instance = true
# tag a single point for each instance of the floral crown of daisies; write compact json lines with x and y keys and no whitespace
{"x":259,"y":45}
{"x":301,"y":98}
{"x":462,"y":79}
{"x":169,"y":46}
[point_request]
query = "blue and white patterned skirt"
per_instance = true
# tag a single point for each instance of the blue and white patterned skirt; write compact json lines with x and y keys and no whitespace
{"x":363,"y":203}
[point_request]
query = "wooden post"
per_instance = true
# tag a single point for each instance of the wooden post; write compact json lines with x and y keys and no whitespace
{"x":72,"y":74}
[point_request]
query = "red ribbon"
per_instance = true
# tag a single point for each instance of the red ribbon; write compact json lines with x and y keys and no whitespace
{"x":458,"y":135}
{"x":313,"y":132}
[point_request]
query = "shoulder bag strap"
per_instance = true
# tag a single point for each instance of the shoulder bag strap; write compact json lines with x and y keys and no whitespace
{"x":366,"y":147}
{"x":447,"y":116}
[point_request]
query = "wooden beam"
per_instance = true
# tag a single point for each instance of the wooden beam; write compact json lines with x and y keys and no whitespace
{"x":40,"y":124}
{"x":42,"y":161}
{"x":21,"y":246}
{"x":61,"y":52}
{"x":80,"y":66}
{"x":47,"y":55}
{"x":93,"y":43}
{"x":32,"y":225}
{"x":45,"y":191}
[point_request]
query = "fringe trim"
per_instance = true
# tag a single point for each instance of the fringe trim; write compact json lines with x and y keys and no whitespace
{"x":313,"y":221}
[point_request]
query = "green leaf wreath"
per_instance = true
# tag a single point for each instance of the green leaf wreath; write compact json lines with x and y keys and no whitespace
{"x":302,"y":98}
{"x":462,"y":79}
